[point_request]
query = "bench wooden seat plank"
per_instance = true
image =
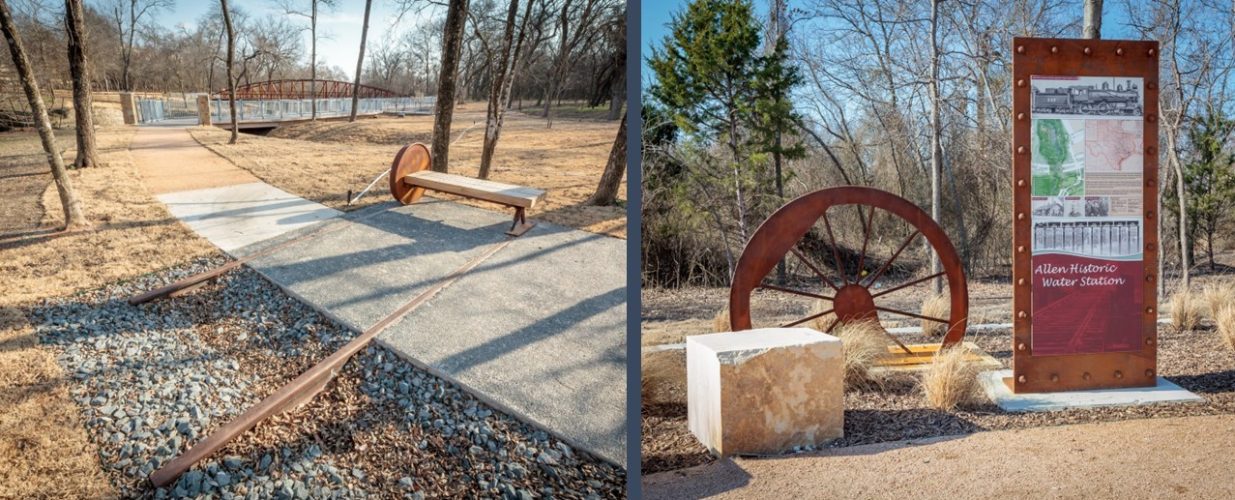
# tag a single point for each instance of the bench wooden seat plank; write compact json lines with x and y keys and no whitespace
{"x":410,"y":177}
{"x":497,"y":192}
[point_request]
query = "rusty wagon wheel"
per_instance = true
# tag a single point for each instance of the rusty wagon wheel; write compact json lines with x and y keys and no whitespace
{"x":851,"y":297}
{"x":411,"y":158}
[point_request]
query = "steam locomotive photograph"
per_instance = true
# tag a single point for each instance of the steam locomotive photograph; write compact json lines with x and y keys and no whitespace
{"x":1087,"y":96}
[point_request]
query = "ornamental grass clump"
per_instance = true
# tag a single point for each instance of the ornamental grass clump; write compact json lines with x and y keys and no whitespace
{"x":720,"y":322}
{"x":1185,"y":311}
{"x":1224,"y":322}
{"x":936,"y":306}
{"x":951,"y":380}
{"x":863,"y":344}
{"x":1216,"y":296}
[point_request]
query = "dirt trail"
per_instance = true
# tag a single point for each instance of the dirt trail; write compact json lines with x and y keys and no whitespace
{"x":1158,"y":458}
{"x":169,"y":160}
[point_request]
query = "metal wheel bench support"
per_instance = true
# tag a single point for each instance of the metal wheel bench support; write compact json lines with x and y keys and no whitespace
{"x":410,"y":177}
{"x":852,"y":299}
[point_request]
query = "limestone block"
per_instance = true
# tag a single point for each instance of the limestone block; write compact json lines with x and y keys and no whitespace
{"x":128,"y":107}
{"x":765,"y":391}
{"x":203,"y":110}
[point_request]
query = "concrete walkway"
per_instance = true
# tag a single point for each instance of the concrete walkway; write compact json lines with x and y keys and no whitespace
{"x":537,"y":330}
{"x":221,"y":202}
{"x":1151,"y":458}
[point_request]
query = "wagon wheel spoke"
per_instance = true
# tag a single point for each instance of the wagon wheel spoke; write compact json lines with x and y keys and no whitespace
{"x":866,"y":238}
{"x":907,"y":285}
{"x":833,"y":325}
{"x":840,"y":266}
{"x":808,"y":318}
{"x":812,"y":267}
{"x":888,"y":263}
{"x":912,"y":315}
{"x":795,"y":292}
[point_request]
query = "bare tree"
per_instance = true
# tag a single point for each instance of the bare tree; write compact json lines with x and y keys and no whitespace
{"x":83,"y":103}
{"x":452,"y":44}
{"x":364,"y":34}
{"x":231,"y":80}
{"x":936,"y":141}
{"x":74,"y":215}
{"x":1093,"y":19}
{"x":128,"y":15}
{"x":499,"y":95}
{"x":611,"y":180}
{"x":575,"y":33}
{"x":311,"y":15}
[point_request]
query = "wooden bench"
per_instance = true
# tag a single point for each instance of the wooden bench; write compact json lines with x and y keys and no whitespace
{"x":410,"y":177}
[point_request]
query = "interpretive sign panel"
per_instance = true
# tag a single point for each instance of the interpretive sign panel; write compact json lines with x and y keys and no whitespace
{"x":1085,"y":235}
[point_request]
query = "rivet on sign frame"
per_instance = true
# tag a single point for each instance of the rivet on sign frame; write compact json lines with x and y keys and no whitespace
{"x":1020,"y":83}
{"x":1149,"y":214}
{"x":1087,"y":51}
{"x":1021,"y":315}
{"x":1020,"y":346}
{"x":1020,"y":183}
{"x":1151,"y":117}
{"x":1020,"y":216}
{"x":1149,"y":310}
{"x":1119,"y":51}
{"x":1020,"y":281}
{"x":1119,"y":374}
{"x":1020,"y":49}
{"x":1020,"y":249}
{"x":1054,"y":377}
{"x":1151,"y":86}
{"x":1149,"y":246}
{"x":1149,"y":341}
{"x":1054,"y":49}
{"x":1020,"y":116}
{"x":1086,"y":376}
{"x":1153,"y":150}
{"x":1149,"y":278}
{"x":1020,"y":150}
{"x":1149,"y":373}
{"x":1152,"y":52}
{"x":1020,"y":378}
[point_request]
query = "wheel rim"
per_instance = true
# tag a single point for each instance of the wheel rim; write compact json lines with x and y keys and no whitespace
{"x":411,"y":158}
{"x":851,"y":297}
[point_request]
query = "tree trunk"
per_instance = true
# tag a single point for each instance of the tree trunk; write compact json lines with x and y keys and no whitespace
{"x":364,"y":33}
{"x":313,"y":62}
{"x":452,"y":44}
{"x":611,"y":180}
{"x":83,"y":103}
{"x":231,"y":80}
{"x":493,"y":119}
{"x":936,"y":147}
{"x":1180,"y":192}
{"x":1093,"y":20}
{"x":74,"y":215}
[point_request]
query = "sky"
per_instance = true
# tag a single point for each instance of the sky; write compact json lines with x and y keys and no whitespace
{"x":339,"y":28}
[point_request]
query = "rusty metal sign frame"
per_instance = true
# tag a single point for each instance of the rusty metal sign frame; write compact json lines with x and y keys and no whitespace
{"x":1098,"y":58}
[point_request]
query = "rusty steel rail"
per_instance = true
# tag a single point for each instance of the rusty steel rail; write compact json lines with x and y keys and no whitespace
{"x":196,"y":280}
{"x":309,"y":383}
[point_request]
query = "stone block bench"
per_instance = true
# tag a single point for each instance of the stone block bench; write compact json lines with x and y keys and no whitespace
{"x":766,"y":391}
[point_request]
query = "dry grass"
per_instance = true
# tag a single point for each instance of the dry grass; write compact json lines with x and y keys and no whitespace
{"x":863,"y":343}
{"x":824,"y":322}
{"x":44,"y":450}
{"x":720,"y":322}
{"x":951,"y":380}
{"x":1215,"y":296}
{"x":1224,"y":321}
{"x":1186,"y":311}
{"x":322,"y":160}
{"x":936,"y":306}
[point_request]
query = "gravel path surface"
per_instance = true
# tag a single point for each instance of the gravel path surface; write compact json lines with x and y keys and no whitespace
{"x":1198,"y":361}
{"x":152,"y":380}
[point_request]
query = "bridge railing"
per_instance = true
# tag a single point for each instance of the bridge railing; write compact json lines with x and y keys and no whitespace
{"x":298,"y":109}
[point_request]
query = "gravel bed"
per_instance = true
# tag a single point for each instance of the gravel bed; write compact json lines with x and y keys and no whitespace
{"x":1198,"y":361}
{"x":152,"y":380}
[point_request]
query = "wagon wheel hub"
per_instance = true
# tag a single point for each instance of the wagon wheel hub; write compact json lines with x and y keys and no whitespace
{"x":853,"y":303}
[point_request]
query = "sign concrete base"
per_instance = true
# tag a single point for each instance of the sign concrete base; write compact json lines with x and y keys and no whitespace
{"x":998,"y":391}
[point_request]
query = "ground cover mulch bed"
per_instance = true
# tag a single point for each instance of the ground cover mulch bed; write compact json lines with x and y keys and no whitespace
{"x":151,"y":380}
{"x":1198,"y":361}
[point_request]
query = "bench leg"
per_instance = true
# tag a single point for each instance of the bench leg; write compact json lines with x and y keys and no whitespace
{"x":520,"y":224}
